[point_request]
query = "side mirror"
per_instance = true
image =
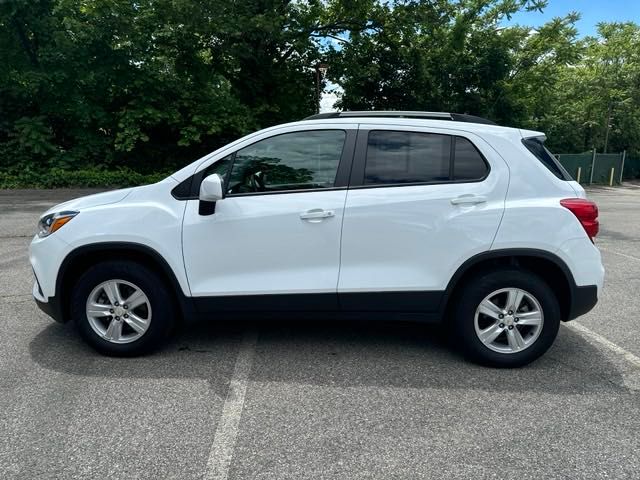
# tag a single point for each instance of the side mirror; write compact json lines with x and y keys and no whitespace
{"x":211,"y":188}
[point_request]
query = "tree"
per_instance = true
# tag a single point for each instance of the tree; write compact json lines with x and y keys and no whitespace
{"x":152,"y":85}
{"x":440,"y":55}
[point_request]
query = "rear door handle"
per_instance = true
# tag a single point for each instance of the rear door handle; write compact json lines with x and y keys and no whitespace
{"x":468,"y":200}
{"x":317,"y":215}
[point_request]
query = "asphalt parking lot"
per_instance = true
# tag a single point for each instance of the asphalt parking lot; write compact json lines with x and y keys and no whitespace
{"x":319,"y":400}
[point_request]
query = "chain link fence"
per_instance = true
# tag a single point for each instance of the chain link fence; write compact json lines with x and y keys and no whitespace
{"x":601,"y":168}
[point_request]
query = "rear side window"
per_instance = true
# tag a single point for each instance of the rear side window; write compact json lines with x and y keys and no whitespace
{"x":413,"y":157}
{"x":468,"y":164}
{"x":407,"y":157}
{"x":538,"y":149}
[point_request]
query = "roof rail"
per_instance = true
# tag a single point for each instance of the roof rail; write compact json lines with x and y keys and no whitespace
{"x":455,"y":117}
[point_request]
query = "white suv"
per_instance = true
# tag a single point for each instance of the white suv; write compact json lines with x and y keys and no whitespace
{"x":376,"y":215}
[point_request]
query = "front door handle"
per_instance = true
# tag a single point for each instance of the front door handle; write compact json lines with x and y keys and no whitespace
{"x":468,"y":200}
{"x":316,"y":215}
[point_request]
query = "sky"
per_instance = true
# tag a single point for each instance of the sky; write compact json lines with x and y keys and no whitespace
{"x":592,"y":12}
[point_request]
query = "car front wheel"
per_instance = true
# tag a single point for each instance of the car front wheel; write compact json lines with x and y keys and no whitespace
{"x":122,"y":308}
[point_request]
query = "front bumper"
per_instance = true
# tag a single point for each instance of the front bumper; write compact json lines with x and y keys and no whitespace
{"x":45,"y":256}
{"x":48,"y":305}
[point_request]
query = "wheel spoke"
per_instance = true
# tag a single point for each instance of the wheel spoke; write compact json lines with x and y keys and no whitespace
{"x":138,"y":324}
{"x":513,"y":311}
{"x":487,"y":307}
{"x":489,"y":334}
{"x":113,"y":292}
{"x":106,"y":316}
{"x":98,"y":310}
{"x":530,"y":318}
{"x":516,"y":342}
{"x":136,"y":299}
{"x":514,"y":299}
{"x":114,"y":330}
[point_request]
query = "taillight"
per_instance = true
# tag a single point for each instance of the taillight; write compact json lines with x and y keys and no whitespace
{"x":586,"y":211}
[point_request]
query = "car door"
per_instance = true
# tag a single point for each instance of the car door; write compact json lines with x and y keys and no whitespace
{"x":421,"y":202}
{"x":273,"y":242}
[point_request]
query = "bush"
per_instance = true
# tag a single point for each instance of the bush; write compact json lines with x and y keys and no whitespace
{"x":87,"y":177}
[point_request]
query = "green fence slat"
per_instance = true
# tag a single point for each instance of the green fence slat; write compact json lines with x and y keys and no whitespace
{"x":572,"y":161}
{"x":603,"y":164}
{"x":631,"y":168}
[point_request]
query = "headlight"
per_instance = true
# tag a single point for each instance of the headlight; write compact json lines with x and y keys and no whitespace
{"x":52,"y":222}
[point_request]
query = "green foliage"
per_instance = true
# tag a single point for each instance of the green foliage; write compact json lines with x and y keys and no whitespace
{"x":92,"y":91}
{"x":32,"y":136}
{"x":596,"y":99}
{"x":87,"y":177}
{"x":456,"y":56}
{"x":146,"y":85}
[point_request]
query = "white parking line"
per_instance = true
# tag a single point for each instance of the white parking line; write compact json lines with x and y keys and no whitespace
{"x":621,"y":254}
{"x":224,"y":440}
{"x":221,"y":452}
{"x":630,"y":357}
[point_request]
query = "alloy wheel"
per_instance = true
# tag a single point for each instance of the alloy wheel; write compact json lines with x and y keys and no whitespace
{"x":509,"y":320}
{"x":118,"y":311}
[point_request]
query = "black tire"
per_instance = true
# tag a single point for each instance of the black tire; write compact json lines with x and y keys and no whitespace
{"x":473,"y":292}
{"x":163,"y":311}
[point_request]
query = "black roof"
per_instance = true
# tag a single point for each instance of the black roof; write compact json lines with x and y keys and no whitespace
{"x":455,"y":117}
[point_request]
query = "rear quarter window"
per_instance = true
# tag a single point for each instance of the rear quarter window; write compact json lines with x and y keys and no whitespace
{"x":468,"y":162}
{"x":537,"y":148}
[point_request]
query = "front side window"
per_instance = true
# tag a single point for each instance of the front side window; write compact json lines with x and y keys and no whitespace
{"x":291,"y":161}
{"x":407,"y":157}
{"x":221,"y":167}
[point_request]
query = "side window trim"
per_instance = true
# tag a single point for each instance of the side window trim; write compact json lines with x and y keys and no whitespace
{"x":452,"y":153}
{"x":360,"y":160}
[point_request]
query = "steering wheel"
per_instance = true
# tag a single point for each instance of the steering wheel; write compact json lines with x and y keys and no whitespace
{"x":257,"y":181}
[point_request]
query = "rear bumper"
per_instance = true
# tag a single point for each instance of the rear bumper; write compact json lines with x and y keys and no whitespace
{"x":583,"y":299}
{"x":584,"y":261}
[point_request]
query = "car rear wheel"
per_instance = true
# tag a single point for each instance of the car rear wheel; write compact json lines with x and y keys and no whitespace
{"x":122,"y":308}
{"x":506,"y":318}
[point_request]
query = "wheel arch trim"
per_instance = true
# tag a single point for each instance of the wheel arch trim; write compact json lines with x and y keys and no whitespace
{"x":514,"y":253}
{"x":184,"y":303}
